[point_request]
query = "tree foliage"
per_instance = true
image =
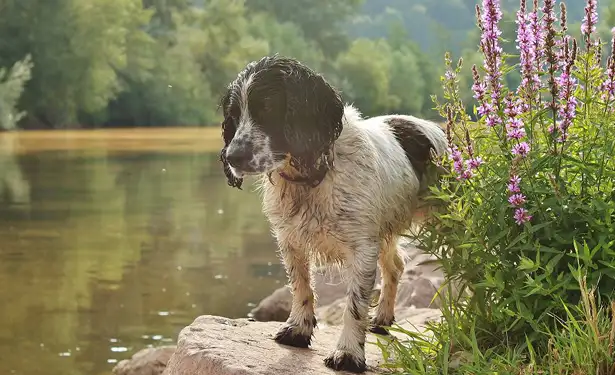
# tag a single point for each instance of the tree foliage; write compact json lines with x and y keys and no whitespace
{"x":12,"y":82}
{"x":102,"y":63}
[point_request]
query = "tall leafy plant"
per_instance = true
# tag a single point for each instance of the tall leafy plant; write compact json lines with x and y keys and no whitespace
{"x":528,"y":205}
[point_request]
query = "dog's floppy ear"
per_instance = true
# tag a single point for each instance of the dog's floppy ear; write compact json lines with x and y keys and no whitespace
{"x":314,"y":112}
{"x":229,"y":128}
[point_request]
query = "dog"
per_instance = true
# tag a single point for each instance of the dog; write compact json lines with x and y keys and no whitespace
{"x":336,"y":188}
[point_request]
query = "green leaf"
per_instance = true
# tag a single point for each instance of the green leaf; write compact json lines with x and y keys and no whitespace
{"x":527,"y":264}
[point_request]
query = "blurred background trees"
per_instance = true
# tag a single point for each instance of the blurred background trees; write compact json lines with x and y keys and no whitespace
{"x":109,"y":63}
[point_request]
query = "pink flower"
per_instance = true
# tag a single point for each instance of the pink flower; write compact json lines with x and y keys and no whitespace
{"x":474,"y":163}
{"x":515,"y":129}
{"x":458,"y":165}
{"x":522,"y":216}
{"x":521,"y":149}
{"x":465,"y":175}
{"x":516,"y":200}
{"x":515,"y":133}
{"x":485,"y":109}
{"x":513,"y":185}
{"x":455,"y":155}
{"x":493,"y":120}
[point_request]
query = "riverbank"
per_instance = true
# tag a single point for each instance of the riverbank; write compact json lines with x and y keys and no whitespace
{"x":220,"y":346}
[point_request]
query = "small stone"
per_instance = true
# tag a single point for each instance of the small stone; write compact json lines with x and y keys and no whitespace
{"x":150,"y":361}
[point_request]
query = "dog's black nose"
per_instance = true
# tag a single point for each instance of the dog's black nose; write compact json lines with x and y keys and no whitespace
{"x":237,"y":156}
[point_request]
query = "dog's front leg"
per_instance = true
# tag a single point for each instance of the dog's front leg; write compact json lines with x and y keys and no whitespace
{"x":349,"y":354}
{"x":300,"y":325}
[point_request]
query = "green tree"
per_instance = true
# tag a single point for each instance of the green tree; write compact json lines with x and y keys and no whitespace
{"x":163,"y":19}
{"x":286,"y":39}
{"x":76,"y":47}
{"x":186,"y":78}
{"x":322,"y":21}
{"x":364,"y":71}
{"x":172,"y":92}
{"x":414,"y":78}
{"x":226,"y":46}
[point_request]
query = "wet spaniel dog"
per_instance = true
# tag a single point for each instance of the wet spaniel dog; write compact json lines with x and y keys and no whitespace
{"x":337,"y":188}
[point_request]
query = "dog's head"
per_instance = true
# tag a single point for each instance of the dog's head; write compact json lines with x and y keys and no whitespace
{"x":278,"y":110}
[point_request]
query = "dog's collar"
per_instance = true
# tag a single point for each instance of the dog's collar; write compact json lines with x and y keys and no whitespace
{"x":305,"y":180}
{"x":314,"y":179}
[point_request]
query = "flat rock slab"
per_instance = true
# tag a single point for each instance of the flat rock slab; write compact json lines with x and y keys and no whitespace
{"x":219,"y":346}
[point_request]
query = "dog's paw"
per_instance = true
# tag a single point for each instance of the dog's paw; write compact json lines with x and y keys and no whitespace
{"x":341,"y":360}
{"x":292,"y":335}
{"x":377,"y":327}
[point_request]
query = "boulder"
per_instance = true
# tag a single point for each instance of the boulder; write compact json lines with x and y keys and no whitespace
{"x":219,"y":346}
{"x":149,"y":361}
{"x":328,"y":284}
{"x":417,"y":288}
{"x":333,"y":314}
{"x":275,"y":307}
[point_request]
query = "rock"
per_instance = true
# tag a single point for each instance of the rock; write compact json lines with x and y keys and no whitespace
{"x":418,"y":286}
{"x":219,"y":346}
{"x":276,"y":307}
{"x":150,"y":361}
{"x":333,"y":314}
{"x":417,"y":293}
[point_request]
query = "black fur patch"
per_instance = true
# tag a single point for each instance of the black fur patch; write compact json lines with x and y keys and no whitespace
{"x":346,"y":362}
{"x":295,"y":106}
{"x":415,"y":144}
{"x":354,"y":308}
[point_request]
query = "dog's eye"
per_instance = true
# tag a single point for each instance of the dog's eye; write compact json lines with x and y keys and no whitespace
{"x":273,"y":103}
{"x":267,"y":106}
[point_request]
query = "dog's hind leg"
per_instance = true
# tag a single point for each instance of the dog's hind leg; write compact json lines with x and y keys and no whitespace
{"x":391,"y":267}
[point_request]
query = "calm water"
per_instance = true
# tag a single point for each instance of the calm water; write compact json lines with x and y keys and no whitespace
{"x":104,"y":252}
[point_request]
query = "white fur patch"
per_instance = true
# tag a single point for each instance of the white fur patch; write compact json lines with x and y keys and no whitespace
{"x":263,"y":158}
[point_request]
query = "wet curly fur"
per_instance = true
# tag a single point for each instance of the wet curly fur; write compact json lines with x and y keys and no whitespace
{"x":336,"y":187}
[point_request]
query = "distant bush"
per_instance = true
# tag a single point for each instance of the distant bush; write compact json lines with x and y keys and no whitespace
{"x":527,"y":226}
{"x":12,"y":82}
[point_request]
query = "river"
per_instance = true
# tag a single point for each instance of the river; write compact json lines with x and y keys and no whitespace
{"x":114,"y":240}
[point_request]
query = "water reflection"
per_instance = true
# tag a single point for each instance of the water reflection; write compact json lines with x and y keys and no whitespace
{"x":121,"y":250}
{"x":14,"y":188}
